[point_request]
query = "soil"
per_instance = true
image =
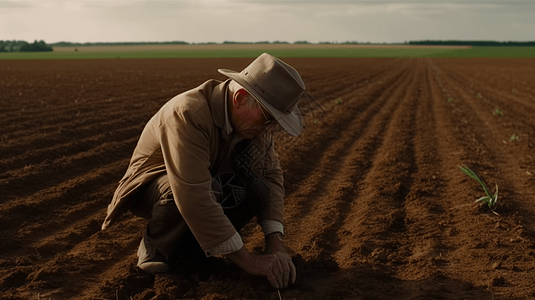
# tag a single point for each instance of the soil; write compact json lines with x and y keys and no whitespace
{"x":376,"y":205}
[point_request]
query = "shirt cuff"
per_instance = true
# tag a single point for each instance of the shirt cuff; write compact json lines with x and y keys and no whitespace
{"x":229,"y":246}
{"x":270,"y":226}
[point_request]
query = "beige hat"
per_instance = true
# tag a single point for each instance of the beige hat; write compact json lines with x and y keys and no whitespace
{"x":277,"y":86}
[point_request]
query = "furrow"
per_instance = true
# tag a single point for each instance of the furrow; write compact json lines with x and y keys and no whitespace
{"x":330,"y":88}
{"x":495,"y":98}
{"x":461,"y":222}
{"x":421,"y":245}
{"x":49,"y":202}
{"x":344,"y":144}
{"x":383,"y":191}
{"x":307,"y":150}
{"x":333,"y":199}
{"x":515,"y":78}
{"x":488,"y":140}
{"x":61,"y":170}
{"x":104,"y":253}
{"x":331,"y":205}
{"x":28,"y":158}
{"x":71,"y":224}
{"x":44,"y":130}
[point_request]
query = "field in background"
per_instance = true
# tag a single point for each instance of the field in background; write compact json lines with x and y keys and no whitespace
{"x":376,"y":204}
{"x":279,"y":50}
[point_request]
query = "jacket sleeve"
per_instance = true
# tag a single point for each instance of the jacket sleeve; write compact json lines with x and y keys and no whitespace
{"x":272,"y":208}
{"x":184,"y":138}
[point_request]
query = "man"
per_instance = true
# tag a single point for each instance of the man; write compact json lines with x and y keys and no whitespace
{"x":205,"y":165}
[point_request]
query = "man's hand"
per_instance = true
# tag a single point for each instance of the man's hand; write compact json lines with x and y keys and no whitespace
{"x":275,"y":245}
{"x":276,"y":265}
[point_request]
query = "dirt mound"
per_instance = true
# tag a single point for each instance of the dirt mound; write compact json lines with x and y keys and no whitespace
{"x":376,"y":204}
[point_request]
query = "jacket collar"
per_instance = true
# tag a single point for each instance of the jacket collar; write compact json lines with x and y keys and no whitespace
{"x":218,"y":105}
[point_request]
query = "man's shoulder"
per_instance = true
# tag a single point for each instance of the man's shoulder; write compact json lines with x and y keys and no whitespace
{"x":194,"y":99}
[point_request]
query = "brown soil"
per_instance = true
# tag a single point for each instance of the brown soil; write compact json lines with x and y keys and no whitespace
{"x":376,"y":204}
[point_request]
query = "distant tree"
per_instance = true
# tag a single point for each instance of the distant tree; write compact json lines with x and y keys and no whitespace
{"x":26,"y":47}
{"x":62,"y":44}
{"x":179,"y":43}
{"x":37,"y":46}
{"x":69,"y":44}
{"x":301,"y":42}
{"x":232,"y":42}
{"x":15,"y":45}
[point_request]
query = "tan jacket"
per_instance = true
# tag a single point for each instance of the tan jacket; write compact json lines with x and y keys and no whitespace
{"x":185,"y":138}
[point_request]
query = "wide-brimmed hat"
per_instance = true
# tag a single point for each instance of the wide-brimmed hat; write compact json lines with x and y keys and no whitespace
{"x":277,"y":86}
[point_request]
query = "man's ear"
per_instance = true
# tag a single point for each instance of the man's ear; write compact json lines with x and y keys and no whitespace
{"x":239,"y":97}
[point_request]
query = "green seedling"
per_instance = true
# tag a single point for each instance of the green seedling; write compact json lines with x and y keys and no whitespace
{"x":450,"y":100}
{"x":338,"y":101}
{"x":489,"y":199}
{"x":497,"y":112}
{"x":514,"y":137}
{"x":479,"y":96}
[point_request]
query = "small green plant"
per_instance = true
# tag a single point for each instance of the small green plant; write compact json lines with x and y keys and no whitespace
{"x":489,"y":199}
{"x":497,"y":111}
{"x":514,"y":137}
{"x":339,"y":101}
{"x":450,"y":100}
{"x":479,"y":96}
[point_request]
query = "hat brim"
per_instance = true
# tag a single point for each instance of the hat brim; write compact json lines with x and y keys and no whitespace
{"x":291,"y":122}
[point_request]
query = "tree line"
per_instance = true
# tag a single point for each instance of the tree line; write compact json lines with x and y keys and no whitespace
{"x":473,"y":43}
{"x":37,"y":46}
{"x":70,"y":44}
{"x":23,"y":46}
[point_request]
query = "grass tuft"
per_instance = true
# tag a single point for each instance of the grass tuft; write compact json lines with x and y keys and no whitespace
{"x":489,"y":199}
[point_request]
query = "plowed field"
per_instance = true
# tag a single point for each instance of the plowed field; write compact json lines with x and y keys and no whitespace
{"x":376,"y":204}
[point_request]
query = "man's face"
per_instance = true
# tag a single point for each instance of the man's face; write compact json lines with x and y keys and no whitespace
{"x":249,"y":122}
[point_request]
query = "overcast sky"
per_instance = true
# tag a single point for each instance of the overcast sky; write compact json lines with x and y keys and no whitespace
{"x":198,"y":21}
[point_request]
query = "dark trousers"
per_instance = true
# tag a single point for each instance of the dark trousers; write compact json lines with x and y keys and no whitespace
{"x":239,"y":194}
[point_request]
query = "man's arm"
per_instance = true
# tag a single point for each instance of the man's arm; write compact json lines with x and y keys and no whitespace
{"x":184,"y":137}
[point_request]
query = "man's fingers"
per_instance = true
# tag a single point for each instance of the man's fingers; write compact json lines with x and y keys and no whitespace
{"x":287,"y":271}
{"x":285,"y":278}
{"x":279,"y":272}
{"x":293,"y":272}
{"x":278,"y":268}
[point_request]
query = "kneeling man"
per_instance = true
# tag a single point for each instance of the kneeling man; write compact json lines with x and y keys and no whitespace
{"x":205,"y":165}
